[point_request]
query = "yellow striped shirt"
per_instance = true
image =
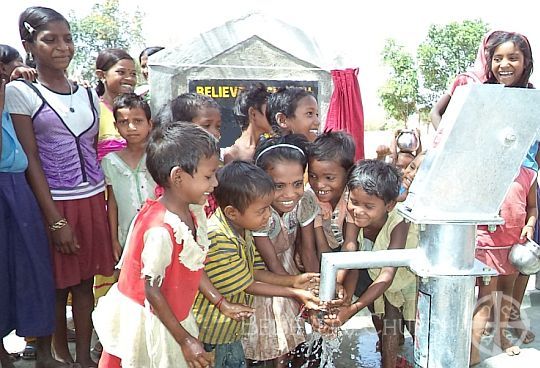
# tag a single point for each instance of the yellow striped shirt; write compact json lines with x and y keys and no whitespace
{"x":230,"y":265}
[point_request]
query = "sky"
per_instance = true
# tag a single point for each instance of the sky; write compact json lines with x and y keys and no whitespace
{"x":351,"y":31}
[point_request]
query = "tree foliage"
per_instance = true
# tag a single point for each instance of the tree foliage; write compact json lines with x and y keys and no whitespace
{"x":107,"y":26}
{"x":414,"y":85}
{"x":400,"y":92}
{"x":447,"y":51}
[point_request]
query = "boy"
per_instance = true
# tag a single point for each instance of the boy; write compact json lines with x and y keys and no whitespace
{"x":374,"y":187}
{"x":233,"y":264}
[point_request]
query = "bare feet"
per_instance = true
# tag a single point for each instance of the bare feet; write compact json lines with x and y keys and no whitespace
{"x":508,"y":346}
{"x":520,"y":331}
{"x":51,"y":363}
{"x":86,"y":363}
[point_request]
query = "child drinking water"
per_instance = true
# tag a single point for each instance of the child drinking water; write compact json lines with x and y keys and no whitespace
{"x":373,"y":189}
{"x":234,"y":265}
{"x":57,"y":125}
{"x":145,"y":320}
{"x":116,"y":74}
{"x":284,"y":159}
{"x":129,"y":184}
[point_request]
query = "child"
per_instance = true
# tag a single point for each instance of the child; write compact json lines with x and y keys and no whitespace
{"x":144,"y":90}
{"x":234,"y":265}
{"x":510,"y":63}
{"x":57,"y":125}
{"x":293,"y":110}
{"x":250,"y":113}
{"x":331,"y":157}
{"x":373,"y":189}
{"x":284,"y":159}
{"x":145,"y":320}
{"x":396,"y":156}
{"x":128,"y":182}
{"x":408,"y":176}
{"x":26,"y":280}
{"x":116,"y":72}
{"x":199,"y":109}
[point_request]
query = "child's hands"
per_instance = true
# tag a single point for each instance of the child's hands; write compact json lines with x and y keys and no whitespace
{"x":238,"y":312}
{"x":382,"y":151}
{"x":339,"y":317}
{"x":526,"y":233}
{"x":117,"y":250}
{"x":307,"y":281}
{"x":64,"y":240}
{"x":194,"y":353}
{"x":310,"y":300}
{"x":25,"y":72}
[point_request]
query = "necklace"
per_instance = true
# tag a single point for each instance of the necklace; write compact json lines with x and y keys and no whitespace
{"x":71,"y":108}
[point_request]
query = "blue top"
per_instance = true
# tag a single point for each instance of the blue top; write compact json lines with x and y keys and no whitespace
{"x":12,"y":158}
{"x":530,"y":159}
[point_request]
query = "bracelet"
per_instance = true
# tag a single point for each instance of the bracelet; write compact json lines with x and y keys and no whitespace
{"x":219,"y":302}
{"x":58,"y":224}
{"x":531,"y":226}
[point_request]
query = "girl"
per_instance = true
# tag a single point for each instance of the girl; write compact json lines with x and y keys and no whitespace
{"x":144,"y":90}
{"x":26,"y":282}
{"x":285,"y":160}
{"x":293,"y":110}
{"x":116,"y":72}
{"x":331,"y":156}
{"x":145,"y":320}
{"x":250,"y":113}
{"x":57,"y":125}
{"x":510,"y":63}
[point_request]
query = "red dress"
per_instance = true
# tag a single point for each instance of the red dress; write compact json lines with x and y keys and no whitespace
{"x":161,"y":249}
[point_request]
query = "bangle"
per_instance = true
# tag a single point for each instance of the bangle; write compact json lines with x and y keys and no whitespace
{"x":58,"y":224}
{"x":219,"y":302}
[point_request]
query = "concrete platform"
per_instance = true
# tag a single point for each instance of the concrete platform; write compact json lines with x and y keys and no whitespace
{"x":359,"y":339}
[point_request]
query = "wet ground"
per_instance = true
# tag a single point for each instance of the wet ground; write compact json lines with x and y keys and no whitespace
{"x":359,"y":338}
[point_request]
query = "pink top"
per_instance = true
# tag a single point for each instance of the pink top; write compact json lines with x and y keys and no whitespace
{"x":514,"y":213}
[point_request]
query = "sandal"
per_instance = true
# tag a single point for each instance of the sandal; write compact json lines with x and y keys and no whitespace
{"x":30,"y":351}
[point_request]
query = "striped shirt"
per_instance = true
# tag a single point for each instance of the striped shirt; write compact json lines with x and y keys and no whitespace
{"x":230,"y":265}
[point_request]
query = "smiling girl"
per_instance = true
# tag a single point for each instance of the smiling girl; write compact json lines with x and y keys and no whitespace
{"x":56,"y":122}
{"x":116,"y":72}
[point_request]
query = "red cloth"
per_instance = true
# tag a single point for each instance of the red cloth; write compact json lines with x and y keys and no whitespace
{"x":109,"y":361}
{"x":345,"y":111}
{"x":180,"y":284}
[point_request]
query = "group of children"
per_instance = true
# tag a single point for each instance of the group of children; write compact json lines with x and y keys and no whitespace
{"x":217,"y":250}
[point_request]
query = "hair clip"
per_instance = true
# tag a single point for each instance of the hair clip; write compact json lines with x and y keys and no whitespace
{"x":29,"y":28}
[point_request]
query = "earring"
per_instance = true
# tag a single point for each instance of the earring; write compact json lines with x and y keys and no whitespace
{"x":30,"y":56}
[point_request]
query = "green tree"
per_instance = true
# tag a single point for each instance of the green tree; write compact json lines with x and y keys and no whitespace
{"x":399,"y":94}
{"x":107,"y":26}
{"x":447,"y":51}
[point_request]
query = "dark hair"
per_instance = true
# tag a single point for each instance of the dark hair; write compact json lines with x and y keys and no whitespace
{"x":333,"y":146}
{"x":255,"y":95}
{"x":180,"y":144}
{"x":521,"y":42}
{"x":376,"y":178}
{"x":149,"y":51}
{"x":240,"y":184}
{"x":8,"y":54}
{"x":131,"y":101}
{"x":187,"y":106}
{"x":281,"y":151}
{"x":34,"y":19}
{"x":106,"y":60}
{"x":285,"y":101}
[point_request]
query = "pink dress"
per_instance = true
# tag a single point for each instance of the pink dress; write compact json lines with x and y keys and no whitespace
{"x":276,"y":329}
{"x":493,"y":247}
